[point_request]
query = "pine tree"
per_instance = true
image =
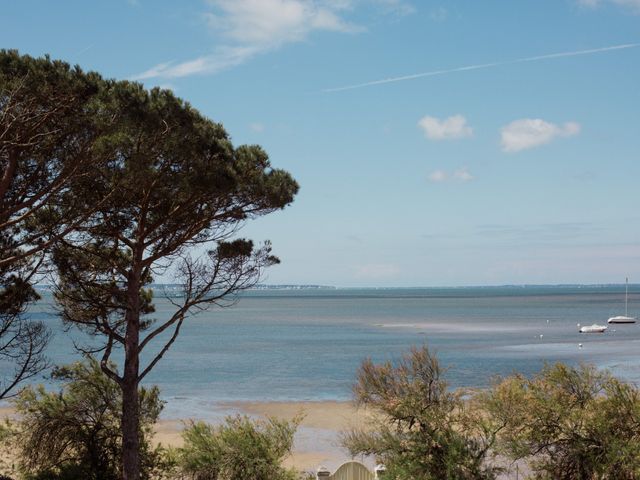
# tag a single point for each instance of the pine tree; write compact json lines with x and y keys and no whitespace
{"x":177,"y":193}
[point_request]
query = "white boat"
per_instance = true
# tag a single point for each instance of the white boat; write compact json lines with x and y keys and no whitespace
{"x":595,"y":328}
{"x":624,"y":318}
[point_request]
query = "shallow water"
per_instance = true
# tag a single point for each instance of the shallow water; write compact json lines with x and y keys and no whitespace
{"x":307,"y":344}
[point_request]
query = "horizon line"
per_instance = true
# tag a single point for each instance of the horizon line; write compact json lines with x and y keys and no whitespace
{"x":312,"y":286}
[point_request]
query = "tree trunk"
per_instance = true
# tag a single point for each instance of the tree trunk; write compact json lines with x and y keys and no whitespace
{"x":130,"y":424}
{"x":130,"y":419}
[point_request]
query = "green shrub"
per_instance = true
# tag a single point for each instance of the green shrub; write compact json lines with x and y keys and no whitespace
{"x":238,"y":449}
{"x":75,"y":433}
{"x":423,"y":430}
{"x":569,"y":423}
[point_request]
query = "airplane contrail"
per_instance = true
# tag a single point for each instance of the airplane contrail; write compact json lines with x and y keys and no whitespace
{"x":481,"y":66}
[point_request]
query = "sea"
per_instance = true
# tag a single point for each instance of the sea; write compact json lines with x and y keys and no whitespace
{"x":306,"y":344}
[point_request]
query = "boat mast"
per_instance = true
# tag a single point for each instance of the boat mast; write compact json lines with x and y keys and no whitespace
{"x":626,"y":294}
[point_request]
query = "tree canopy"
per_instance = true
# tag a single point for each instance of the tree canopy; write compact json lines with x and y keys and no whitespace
{"x":47,"y":135}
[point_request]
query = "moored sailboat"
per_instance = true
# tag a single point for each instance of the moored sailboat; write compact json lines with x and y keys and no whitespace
{"x":595,"y":328}
{"x":623,"y":318}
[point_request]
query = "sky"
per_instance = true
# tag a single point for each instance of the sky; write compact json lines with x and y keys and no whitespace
{"x":436,"y":143}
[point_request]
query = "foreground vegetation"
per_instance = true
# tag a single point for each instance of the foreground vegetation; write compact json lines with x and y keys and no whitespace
{"x":567,"y":423}
{"x":74,"y":434}
{"x":240,"y":448}
{"x":571,"y":423}
{"x":424,"y":430}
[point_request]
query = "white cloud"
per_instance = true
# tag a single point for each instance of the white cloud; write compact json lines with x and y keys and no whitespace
{"x":257,"y":127}
{"x":246,"y":28}
{"x":438,"y":176}
{"x":270,"y":23}
{"x":439,"y":14}
{"x":447,"y":129}
{"x":463,"y":175}
{"x":529,"y":133}
{"x":633,"y":5}
{"x":223,"y":58}
{"x":460,"y":175}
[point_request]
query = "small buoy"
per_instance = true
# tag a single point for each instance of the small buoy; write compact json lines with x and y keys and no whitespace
{"x":577,"y":324}
{"x":579,"y":345}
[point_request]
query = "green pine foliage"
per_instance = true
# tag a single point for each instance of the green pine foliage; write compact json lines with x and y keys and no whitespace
{"x":46,"y":145}
{"x":47,"y":139}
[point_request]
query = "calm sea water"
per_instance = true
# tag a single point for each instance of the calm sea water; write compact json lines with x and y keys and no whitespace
{"x":307,"y":344}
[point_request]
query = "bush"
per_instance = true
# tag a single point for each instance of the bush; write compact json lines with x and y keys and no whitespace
{"x":570,"y":423}
{"x":75,"y":433}
{"x":238,"y":449}
{"x":424,"y":431}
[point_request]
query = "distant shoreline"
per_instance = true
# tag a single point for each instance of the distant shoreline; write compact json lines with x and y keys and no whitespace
{"x":171,"y":286}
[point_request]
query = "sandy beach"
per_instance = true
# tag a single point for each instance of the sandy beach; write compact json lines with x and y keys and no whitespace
{"x":327,"y":415}
{"x":7,"y":412}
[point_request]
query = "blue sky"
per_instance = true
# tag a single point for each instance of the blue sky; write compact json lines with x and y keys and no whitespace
{"x":515,"y":172}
